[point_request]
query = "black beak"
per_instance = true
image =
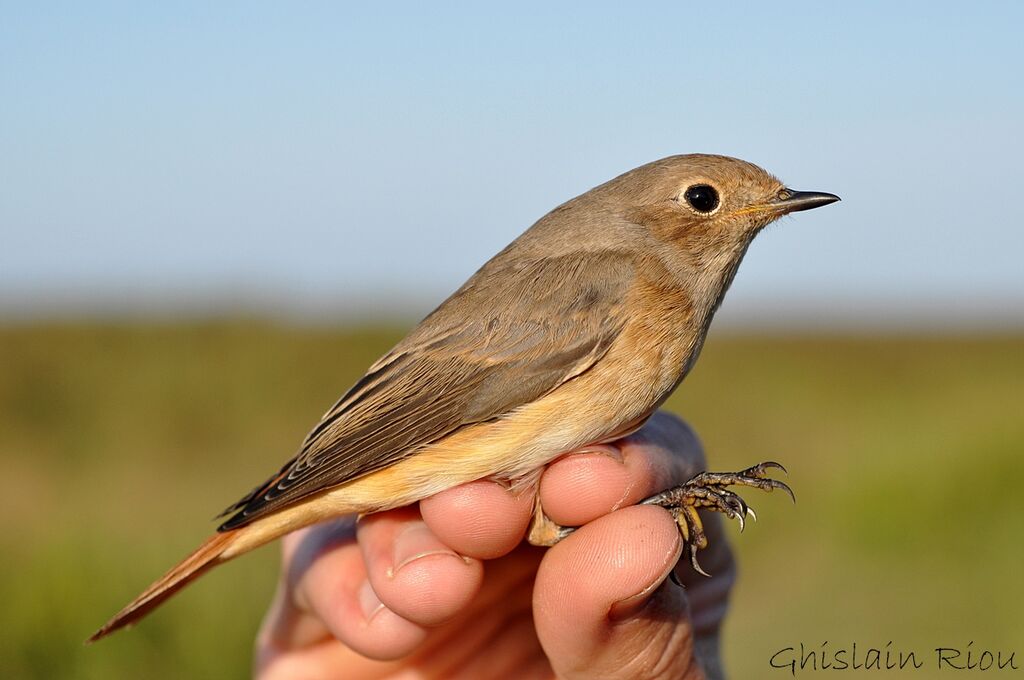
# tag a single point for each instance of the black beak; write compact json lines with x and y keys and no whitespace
{"x":795,"y":201}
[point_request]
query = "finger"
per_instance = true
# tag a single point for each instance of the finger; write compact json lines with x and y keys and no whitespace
{"x":285,"y":625}
{"x":315,"y":660}
{"x":599,"y":605}
{"x":411,"y":571}
{"x":582,"y":487}
{"x":328,"y":596}
{"x":481,"y":519}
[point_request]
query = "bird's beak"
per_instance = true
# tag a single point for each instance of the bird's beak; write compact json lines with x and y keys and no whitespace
{"x":790,"y":201}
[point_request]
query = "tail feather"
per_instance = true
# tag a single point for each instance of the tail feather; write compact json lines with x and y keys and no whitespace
{"x":205,"y":557}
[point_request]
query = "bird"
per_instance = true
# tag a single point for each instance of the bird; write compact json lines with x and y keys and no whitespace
{"x":570,"y":337}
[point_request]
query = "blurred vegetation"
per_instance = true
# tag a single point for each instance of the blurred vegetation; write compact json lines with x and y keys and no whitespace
{"x":120,"y":442}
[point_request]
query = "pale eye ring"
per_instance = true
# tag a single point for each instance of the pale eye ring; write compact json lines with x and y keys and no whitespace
{"x":702,"y":197}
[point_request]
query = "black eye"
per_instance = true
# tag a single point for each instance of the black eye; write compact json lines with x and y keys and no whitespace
{"x":702,"y":197}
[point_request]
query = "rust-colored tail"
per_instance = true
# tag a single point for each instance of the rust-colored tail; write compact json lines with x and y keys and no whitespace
{"x":205,"y":557}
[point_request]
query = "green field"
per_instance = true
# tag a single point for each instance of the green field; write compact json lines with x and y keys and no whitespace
{"x":119,"y":442}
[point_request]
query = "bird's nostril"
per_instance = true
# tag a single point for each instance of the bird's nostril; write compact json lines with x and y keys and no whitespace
{"x":784,"y":194}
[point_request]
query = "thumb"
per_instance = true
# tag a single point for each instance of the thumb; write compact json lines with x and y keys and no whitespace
{"x":601,"y":609}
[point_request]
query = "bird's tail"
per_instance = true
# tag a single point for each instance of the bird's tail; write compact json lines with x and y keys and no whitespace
{"x":205,"y":557}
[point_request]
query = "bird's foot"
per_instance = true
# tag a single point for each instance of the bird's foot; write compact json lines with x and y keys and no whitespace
{"x":707,"y":491}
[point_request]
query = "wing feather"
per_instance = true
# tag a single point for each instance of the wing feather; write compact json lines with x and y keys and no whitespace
{"x":507,"y":337}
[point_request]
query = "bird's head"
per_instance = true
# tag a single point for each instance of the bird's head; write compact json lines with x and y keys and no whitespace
{"x":700,"y":199}
{"x":695,"y":216}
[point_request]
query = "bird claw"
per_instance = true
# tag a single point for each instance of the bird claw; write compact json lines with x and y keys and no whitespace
{"x":693,"y":561}
{"x":767,"y":465}
{"x":707,"y":491}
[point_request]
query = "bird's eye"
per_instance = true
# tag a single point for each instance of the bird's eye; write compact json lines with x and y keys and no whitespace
{"x":702,"y":197}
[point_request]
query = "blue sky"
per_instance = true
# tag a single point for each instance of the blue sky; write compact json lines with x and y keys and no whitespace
{"x":322,"y":158}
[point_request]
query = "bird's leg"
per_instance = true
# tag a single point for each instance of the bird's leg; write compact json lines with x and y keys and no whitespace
{"x":543,"y":531}
{"x":706,"y":491}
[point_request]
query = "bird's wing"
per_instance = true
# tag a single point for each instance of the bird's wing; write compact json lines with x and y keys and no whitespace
{"x":510,"y":335}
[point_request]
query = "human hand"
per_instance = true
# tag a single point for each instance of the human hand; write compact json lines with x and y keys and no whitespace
{"x":448,"y":589}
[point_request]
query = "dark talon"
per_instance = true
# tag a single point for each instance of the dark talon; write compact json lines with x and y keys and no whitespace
{"x":737,"y":508}
{"x":785,"y":487}
{"x":737,"y":503}
{"x":761,"y":467}
{"x":693,"y":561}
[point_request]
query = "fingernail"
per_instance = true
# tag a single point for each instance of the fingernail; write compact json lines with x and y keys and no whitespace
{"x":414,"y":543}
{"x":613,"y":452}
{"x":369,"y":602}
{"x":631,"y":606}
